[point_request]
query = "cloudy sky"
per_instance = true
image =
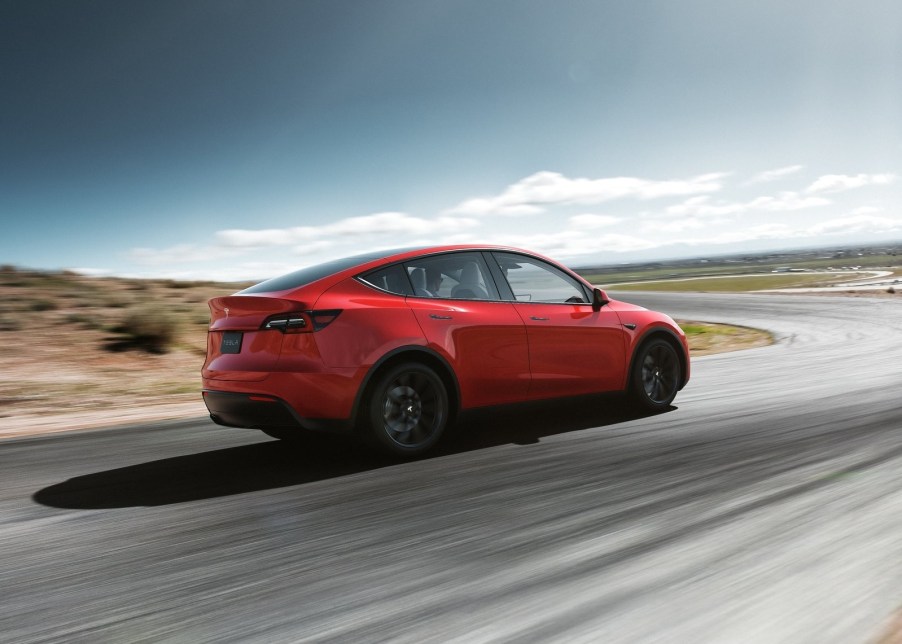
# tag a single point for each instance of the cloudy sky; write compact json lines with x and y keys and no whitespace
{"x":231,"y":139}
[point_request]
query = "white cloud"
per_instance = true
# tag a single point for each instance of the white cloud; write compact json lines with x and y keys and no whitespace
{"x":678,"y":225}
{"x":310,"y":244}
{"x":702,"y":206}
{"x":378,"y":224}
{"x":534,"y":193}
{"x":786,"y":201}
{"x":572,"y":243}
{"x":740,"y":235}
{"x":312,"y":248}
{"x":842,"y":182}
{"x":593,"y":222}
{"x":693,"y":216}
{"x":774,"y":175}
{"x":89,"y":271}
{"x":856,"y":223}
{"x":244,"y":238}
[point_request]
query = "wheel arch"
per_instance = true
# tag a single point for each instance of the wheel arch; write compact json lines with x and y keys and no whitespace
{"x":413,"y":353}
{"x":660,"y":332}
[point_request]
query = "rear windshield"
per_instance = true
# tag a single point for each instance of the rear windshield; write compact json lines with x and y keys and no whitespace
{"x":312,"y":273}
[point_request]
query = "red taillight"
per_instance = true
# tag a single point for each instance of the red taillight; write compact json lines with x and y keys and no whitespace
{"x":300,"y":321}
{"x":289,"y":323}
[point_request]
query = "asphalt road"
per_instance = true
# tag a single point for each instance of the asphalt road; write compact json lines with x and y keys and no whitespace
{"x":765,"y":507}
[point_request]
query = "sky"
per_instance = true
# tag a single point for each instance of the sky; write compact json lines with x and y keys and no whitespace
{"x":241,"y":140}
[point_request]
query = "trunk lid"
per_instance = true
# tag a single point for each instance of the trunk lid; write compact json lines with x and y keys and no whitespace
{"x":238,"y":348}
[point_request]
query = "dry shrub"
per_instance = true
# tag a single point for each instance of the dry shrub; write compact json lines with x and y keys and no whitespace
{"x":146,"y":328}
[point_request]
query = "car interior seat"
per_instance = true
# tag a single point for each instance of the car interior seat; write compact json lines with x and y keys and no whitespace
{"x":470,"y":286}
{"x":418,"y":279}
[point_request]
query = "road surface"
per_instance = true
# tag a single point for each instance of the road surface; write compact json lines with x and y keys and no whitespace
{"x":765,"y":506}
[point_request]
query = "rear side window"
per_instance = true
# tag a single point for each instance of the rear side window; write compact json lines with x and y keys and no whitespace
{"x":390,"y":278}
{"x":458,"y":276}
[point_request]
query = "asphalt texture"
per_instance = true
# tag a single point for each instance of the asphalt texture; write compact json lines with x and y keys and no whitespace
{"x":765,"y":506}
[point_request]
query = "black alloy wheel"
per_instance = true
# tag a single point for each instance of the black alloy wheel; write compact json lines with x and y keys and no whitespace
{"x":408,"y":409}
{"x":656,"y":375}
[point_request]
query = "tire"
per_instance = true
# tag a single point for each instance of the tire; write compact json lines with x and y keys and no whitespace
{"x":656,"y":375}
{"x":407,"y":409}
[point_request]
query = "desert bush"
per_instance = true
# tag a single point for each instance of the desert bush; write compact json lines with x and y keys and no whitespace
{"x":890,"y":290}
{"x":10,"y":324}
{"x":43,"y":305}
{"x":148,"y":329}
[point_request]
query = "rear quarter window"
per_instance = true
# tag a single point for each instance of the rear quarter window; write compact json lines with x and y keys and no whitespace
{"x":390,"y":278}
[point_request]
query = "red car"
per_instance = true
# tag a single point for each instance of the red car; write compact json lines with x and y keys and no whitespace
{"x":394,"y":343}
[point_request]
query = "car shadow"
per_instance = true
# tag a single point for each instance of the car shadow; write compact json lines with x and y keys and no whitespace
{"x":273,"y":464}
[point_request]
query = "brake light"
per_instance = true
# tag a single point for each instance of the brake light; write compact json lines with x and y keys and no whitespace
{"x":288,"y":323}
{"x":300,"y":321}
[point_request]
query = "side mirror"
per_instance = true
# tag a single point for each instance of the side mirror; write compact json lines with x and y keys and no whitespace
{"x":599,"y":299}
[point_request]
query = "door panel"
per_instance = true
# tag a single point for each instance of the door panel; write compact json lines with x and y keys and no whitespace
{"x":573,"y":349}
{"x":486,"y":344}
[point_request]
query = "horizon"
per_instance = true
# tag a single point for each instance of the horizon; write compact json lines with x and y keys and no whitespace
{"x":237,"y":141}
{"x":892,"y":246}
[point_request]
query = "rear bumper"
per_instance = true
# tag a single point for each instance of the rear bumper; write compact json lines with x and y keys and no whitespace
{"x":260,"y":411}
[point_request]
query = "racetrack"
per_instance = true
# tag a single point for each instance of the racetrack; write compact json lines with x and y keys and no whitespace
{"x":766,"y":506}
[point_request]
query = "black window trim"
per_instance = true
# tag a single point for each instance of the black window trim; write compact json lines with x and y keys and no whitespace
{"x":502,"y":287}
{"x":473,"y":251}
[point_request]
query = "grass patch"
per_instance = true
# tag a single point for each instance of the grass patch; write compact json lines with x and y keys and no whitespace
{"x":706,"y":338}
{"x":739,"y":283}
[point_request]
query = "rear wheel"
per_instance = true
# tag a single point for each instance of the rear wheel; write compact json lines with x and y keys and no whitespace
{"x":407,"y":409}
{"x":656,"y":375}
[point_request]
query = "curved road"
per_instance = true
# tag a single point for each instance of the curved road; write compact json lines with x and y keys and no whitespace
{"x":766,"y":506}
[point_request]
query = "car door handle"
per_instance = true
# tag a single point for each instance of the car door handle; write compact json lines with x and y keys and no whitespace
{"x":441,"y":317}
{"x":538,"y":319}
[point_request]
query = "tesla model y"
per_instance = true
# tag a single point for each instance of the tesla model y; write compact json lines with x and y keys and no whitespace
{"x":394,"y":344}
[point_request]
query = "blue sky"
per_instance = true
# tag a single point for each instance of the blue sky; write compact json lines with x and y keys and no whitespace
{"x":239,"y":140}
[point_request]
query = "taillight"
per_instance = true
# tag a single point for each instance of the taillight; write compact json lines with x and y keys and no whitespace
{"x":288,"y":323}
{"x":300,"y":321}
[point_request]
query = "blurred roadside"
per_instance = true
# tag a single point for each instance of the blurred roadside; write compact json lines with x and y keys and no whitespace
{"x":84,"y":352}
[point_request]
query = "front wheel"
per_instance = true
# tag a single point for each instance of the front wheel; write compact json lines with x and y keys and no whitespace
{"x":407,"y":409}
{"x":656,"y":375}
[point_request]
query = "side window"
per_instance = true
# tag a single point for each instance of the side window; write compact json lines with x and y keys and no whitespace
{"x":533,"y":280}
{"x":459,"y":276}
{"x":390,"y":278}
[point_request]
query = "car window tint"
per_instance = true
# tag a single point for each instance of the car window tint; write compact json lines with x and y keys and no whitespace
{"x":533,"y":280}
{"x":462,"y":276}
{"x":390,"y":278}
{"x":312,"y":273}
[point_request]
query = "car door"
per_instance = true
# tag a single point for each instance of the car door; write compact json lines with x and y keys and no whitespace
{"x":462,"y":316}
{"x":572,"y":349}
